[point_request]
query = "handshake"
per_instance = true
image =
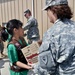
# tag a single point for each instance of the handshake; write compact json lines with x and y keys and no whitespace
{"x":37,"y":70}
{"x":25,"y":34}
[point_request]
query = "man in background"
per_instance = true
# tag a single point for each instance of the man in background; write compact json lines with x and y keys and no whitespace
{"x":31,"y":27}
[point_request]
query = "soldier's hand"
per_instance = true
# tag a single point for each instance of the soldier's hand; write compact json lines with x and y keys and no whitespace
{"x":39,"y":42}
{"x":25,"y":34}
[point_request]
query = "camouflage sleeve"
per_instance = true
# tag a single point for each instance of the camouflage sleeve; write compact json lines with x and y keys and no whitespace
{"x":45,"y":58}
{"x":55,"y":50}
{"x":27,"y":26}
{"x":30,"y":23}
{"x":64,"y":47}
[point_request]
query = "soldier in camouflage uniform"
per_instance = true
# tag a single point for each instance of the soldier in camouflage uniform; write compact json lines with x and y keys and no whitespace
{"x":57,"y":51}
{"x":32,"y":27}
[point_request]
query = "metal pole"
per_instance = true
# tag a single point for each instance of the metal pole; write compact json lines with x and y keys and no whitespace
{"x":0,"y":72}
{"x":33,"y":8}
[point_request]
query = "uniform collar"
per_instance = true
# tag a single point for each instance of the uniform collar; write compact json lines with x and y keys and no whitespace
{"x":56,"y":21}
{"x":30,"y":17}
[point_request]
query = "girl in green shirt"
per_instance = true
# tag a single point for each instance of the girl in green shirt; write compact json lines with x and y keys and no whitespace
{"x":18,"y":64}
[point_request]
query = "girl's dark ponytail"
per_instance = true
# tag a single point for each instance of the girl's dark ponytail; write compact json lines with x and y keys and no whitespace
{"x":4,"y":34}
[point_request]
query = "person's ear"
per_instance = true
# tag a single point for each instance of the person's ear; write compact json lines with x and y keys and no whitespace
{"x":15,"y":29}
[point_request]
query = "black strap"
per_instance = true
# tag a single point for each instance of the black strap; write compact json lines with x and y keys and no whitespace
{"x":18,"y":48}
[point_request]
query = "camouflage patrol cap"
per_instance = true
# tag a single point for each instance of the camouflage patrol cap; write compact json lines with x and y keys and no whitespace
{"x":27,"y":11}
{"x":54,"y":2}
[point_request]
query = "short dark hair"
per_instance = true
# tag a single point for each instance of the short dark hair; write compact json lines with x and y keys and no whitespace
{"x":62,"y":11}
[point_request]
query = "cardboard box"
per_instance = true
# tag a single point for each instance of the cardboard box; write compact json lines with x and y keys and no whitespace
{"x":31,"y":52}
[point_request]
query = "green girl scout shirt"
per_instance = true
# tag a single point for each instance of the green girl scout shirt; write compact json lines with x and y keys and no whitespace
{"x":13,"y":57}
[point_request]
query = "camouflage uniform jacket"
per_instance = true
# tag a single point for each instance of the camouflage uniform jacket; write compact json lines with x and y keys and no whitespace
{"x":32,"y":27}
{"x":57,"y":52}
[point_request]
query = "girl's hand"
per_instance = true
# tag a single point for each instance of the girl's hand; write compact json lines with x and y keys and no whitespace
{"x":31,"y":65}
